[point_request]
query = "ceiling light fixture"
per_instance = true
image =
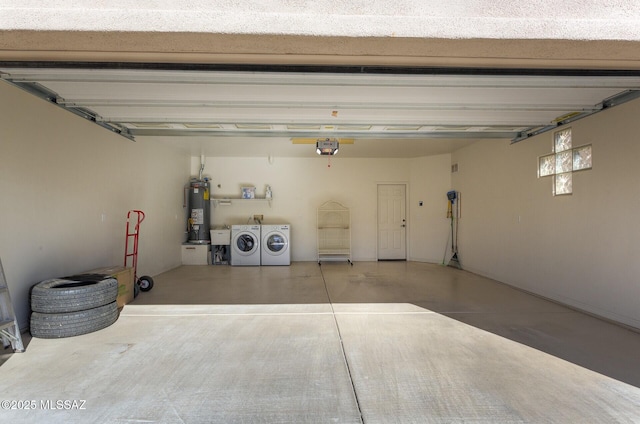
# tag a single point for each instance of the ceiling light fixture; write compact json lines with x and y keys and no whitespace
{"x":327,"y":146}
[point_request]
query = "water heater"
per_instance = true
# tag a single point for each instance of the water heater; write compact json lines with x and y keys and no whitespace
{"x":199,"y":212}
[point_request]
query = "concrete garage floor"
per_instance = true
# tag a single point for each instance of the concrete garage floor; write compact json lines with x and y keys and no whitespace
{"x":379,"y":342}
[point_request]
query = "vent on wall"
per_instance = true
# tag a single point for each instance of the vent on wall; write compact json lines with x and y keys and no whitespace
{"x":454,"y":168}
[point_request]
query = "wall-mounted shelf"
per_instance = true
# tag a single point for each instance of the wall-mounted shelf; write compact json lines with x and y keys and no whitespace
{"x":229,"y":201}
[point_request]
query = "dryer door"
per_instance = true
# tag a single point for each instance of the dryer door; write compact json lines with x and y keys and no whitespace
{"x":276,"y":243}
{"x":245,"y":244}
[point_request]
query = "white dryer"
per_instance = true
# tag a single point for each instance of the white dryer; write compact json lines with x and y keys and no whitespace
{"x":245,"y":245}
{"x":275,"y":244}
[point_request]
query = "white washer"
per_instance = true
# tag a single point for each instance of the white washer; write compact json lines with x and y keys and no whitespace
{"x":245,"y":245}
{"x":275,"y":244}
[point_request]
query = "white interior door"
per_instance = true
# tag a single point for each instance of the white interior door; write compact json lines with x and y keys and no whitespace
{"x":392,"y":223}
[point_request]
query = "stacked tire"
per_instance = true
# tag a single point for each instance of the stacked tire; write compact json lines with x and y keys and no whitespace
{"x":71,"y":306}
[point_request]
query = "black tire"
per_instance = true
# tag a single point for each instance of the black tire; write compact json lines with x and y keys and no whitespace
{"x":146,"y":283}
{"x":69,"y":324}
{"x":70,"y":295}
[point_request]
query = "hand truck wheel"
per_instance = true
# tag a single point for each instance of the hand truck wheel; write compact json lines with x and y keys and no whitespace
{"x":146,"y":283}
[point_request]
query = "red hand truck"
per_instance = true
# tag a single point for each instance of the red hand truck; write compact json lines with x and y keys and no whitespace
{"x":144,"y":283}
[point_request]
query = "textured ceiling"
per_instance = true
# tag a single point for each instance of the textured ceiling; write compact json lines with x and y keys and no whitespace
{"x":414,"y":35}
{"x":476,"y":33}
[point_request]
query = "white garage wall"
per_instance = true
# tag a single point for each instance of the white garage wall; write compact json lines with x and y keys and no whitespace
{"x":430,"y":181}
{"x":300,"y":185}
{"x":59,"y":175}
{"x":582,"y":249}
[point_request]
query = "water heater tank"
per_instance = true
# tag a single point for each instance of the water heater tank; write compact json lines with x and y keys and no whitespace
{"x":199,"y":212}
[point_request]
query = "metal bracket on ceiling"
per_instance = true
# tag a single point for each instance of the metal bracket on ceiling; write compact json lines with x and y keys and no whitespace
{"x":613,"y":101}
{"x":51,"y":97}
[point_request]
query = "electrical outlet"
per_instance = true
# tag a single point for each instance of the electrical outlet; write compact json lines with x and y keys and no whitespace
{"x":258,"y":217}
